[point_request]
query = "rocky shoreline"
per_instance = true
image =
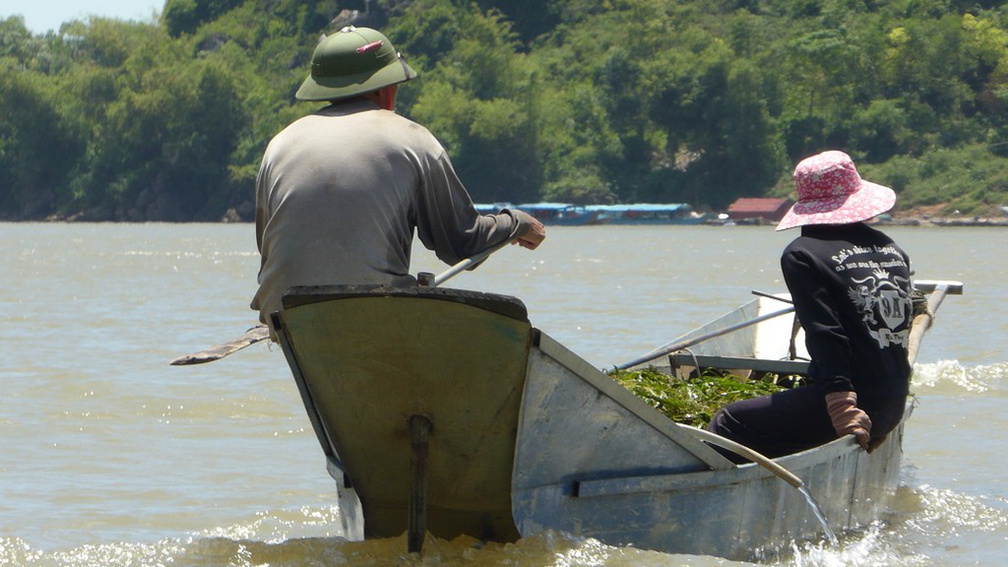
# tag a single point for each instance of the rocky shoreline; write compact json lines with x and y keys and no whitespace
{"x":954,"y":221}
{"x":932,"y":216}
{"x":885,"y":221}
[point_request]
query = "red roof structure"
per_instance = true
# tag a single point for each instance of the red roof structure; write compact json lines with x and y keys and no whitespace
{"x":763,"y":208}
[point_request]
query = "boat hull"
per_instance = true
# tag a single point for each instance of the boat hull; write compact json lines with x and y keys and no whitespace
{"x":526,"y":436}
{"x":367,"y":362}
{"x":653,"y":489}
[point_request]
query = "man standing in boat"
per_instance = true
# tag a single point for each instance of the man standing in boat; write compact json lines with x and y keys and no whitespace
{"x":340,"y":191}
{"x":850,"y":284}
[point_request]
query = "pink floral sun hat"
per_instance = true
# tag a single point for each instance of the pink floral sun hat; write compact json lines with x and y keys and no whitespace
{"x":830,"y":191}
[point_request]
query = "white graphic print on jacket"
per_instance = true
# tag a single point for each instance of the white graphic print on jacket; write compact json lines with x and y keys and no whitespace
{"x":884,"y":306}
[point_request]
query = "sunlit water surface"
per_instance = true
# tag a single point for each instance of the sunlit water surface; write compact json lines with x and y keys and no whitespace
{"x":109,"y":456}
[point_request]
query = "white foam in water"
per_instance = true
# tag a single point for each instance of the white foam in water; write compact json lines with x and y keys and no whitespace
{"x":945,"y":511}
{"x":864,"y":549}
{"x":945,"y":375}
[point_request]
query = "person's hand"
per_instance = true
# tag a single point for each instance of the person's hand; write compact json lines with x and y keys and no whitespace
{"x":875,"y":442}
{"x":847,"y":418}
{"x":535,"y":234}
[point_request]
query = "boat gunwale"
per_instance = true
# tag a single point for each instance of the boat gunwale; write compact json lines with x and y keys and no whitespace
{"x":507,"y":305}
{"x":741,"y":473}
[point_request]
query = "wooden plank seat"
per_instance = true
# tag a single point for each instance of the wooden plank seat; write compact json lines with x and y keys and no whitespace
{"x":680,"y":359}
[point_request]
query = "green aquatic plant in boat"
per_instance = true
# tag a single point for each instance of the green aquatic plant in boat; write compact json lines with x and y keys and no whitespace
{"x":693,"y":400}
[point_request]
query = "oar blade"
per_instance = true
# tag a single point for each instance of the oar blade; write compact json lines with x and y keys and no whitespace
{"x":251,"y":336}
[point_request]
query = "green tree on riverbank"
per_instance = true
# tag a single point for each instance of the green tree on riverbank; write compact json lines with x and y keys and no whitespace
{"x":585,"y":101}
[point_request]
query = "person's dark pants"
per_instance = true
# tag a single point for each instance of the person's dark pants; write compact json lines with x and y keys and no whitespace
{"x":793,"y":420}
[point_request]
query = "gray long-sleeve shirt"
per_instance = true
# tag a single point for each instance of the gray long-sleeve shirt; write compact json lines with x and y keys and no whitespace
{"x":339,"y":193}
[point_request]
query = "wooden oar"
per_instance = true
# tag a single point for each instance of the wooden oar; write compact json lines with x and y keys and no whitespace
{"x":743,"y":451}
{"x":769,"y":464}
{"x":261,"y":332}
{"x":251,"y":336}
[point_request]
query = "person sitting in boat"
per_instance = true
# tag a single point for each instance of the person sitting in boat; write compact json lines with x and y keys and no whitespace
{"x":340,"y":192}
{"x":850,"y":284}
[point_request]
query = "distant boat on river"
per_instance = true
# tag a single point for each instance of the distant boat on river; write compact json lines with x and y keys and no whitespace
{"x":551,"y":213}
{"x":647,"y":213}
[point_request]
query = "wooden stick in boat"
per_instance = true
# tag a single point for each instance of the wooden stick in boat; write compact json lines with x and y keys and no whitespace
{"x":922,"y":322}
{"x":743,"y":451}
{"x":261,"y":332}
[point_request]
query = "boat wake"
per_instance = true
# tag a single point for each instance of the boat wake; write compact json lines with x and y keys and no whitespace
{"x":950,"y":377}
{"x":921,"y":524}
{"x":552,"y":549}
{"x":863,"y":548}
{"x":946,"y":513}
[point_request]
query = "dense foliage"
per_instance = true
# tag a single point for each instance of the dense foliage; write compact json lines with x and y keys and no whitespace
{"x":695,"y":399}
{"x":584,"y":101}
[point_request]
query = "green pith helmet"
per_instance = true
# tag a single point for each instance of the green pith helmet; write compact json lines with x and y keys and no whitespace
{"x":352,"y":62}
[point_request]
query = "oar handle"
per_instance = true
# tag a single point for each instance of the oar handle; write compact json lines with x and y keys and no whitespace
{"x":426,"y":279}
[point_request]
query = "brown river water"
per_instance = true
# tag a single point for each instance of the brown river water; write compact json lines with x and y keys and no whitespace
{"x":111,"y":457}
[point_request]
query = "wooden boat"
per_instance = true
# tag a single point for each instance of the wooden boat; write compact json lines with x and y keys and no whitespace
{"x":446,"y":412}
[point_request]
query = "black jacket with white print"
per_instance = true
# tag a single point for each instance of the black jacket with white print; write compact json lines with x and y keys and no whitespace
{"x":851,"y":290}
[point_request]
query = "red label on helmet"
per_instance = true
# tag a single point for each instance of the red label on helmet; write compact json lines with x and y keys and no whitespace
{"x":369,"y":47}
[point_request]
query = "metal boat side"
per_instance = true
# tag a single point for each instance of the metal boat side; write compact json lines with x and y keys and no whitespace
{"x":734,"y":512}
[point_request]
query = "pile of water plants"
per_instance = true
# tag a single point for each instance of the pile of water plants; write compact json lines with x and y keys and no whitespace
{"x":694,"y":399}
